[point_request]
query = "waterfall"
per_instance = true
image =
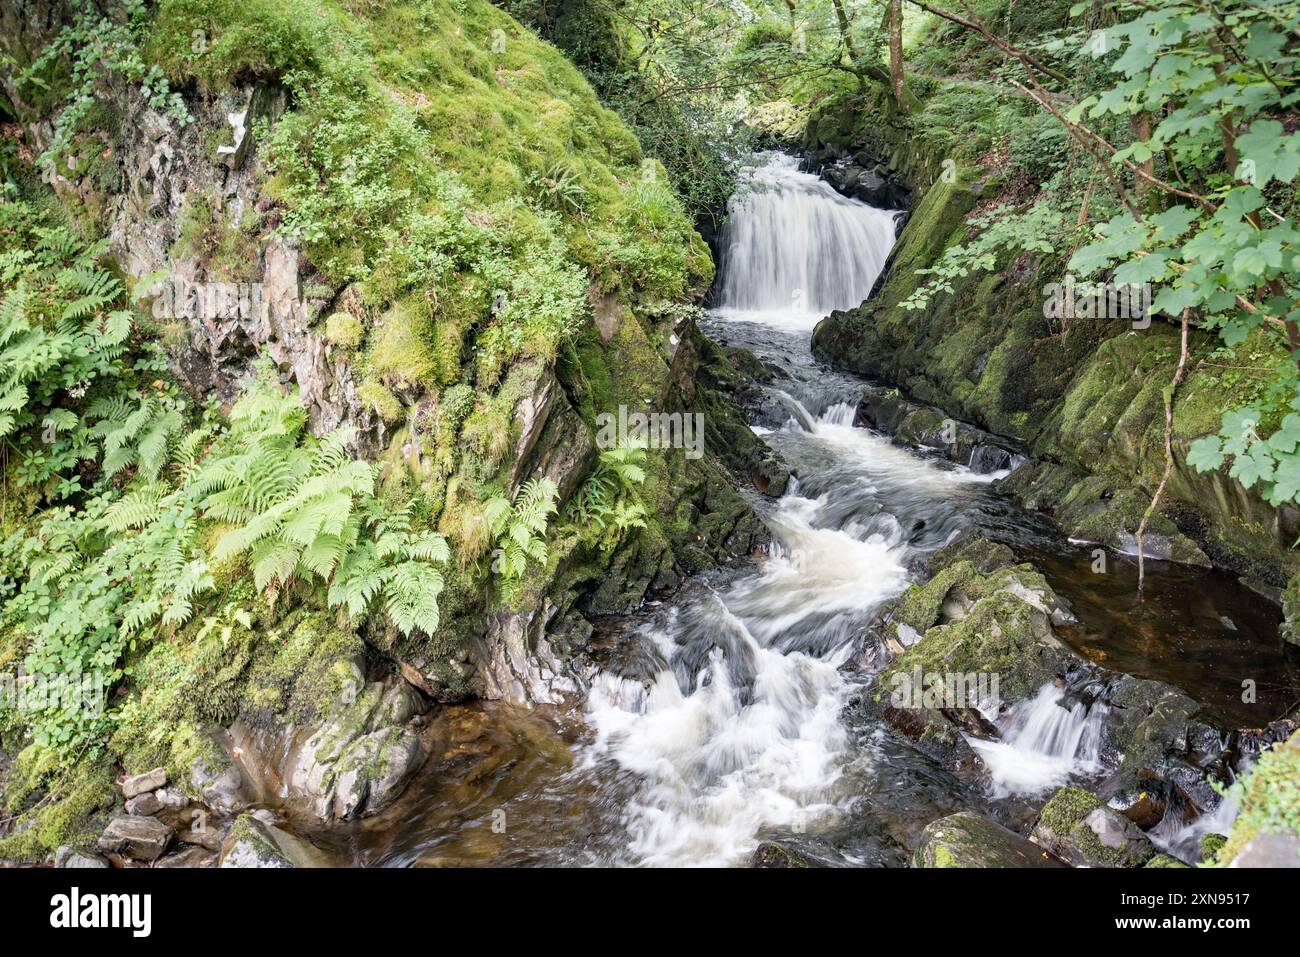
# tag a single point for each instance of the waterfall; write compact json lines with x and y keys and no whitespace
{"x":794,"y":250}
{"x":1043,"y":744}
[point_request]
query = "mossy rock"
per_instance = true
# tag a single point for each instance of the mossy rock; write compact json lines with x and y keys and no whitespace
{"x":968,"y":840}
{"x":1079,"y":828}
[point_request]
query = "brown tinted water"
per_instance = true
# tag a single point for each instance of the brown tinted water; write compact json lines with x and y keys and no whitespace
{"x":1199,"y":629}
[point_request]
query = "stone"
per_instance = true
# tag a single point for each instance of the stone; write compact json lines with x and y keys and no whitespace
{"x":140,"y":838}
{"x":204,"y":837}
{"x":968,"y":840}
{"x":188,"y":857}
{"x":171,"y":798}
{"x":254,"y":844}
{"x":222,"y":790}
{"x":1079,"y":829}
{"x":143,"y":805}
{"x":140,"y":783}
{"x":77,"y":858}
{"x":770,"y":854}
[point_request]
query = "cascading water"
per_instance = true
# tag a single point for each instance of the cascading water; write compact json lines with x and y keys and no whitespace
{"x":732,"y":714}
{"x":1043,"y":744}
{"x":740,"y":732}
{"x":794,"y":250}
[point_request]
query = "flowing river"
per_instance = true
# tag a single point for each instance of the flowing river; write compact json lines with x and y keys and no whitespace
{"x":731,"y":715}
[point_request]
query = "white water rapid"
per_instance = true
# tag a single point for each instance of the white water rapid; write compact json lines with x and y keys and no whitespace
{"x":740,"y":731}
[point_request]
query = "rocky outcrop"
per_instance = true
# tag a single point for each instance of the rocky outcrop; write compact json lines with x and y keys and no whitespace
{"x":1082,"y":399}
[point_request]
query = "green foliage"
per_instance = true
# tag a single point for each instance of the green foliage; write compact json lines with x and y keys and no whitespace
{"x":224,"y":42}
{"x":608,"y":500}
{"x":102,"y":41}
{"x":518,"y":527}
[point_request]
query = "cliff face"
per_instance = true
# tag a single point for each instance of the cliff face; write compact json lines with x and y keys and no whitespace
{"x":426,"y":220}
{"x":1083,"y":398}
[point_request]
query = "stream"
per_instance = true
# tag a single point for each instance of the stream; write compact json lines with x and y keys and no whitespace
{"x":729,"y":715}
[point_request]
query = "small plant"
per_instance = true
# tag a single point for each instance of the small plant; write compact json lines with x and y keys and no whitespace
{"x":609,"y":499}
{"x":518,"y":527}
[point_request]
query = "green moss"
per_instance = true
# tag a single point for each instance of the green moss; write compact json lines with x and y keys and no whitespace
{"x":1268,"y":798}
{"x":72,"y":809}
{"x":224,"y":42}
{"x":344,"y":331}
{"x":375,"y":397}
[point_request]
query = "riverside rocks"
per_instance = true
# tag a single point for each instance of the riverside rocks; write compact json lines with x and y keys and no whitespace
{"x":968,"y":840}
{"x":1079,"y":828}
{"x":253,"y":843}
{"x":139,"y":838}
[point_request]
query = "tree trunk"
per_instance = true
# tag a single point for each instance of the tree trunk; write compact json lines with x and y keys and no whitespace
{"x":896,"y":54}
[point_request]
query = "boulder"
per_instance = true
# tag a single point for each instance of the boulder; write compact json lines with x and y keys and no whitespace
{"x":254,"y":844}
{"x":140,"y":838}
{"x":1081,"y":830}
{"x":144,"y":805}
{"x":360,"y":761}
{"x":77,"y":858}
{"x":771,"y":854}
{"x":968,"y":840}
{"x":188,"y":857}
{"x":140,"y":783}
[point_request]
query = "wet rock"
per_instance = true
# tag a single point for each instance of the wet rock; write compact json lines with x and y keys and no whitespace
{"x":360,"y":761}
{"x":143,"y":805}
{"x":189,"y":857}
{"x":140,"y":783}
{"x":968,"y":840}
{"x":76,"y":858}
{"x":254,"y":844}
{"x":201,"y":836}
{"x":1078,"y":828}
{"x":140,"y":838}
{"x":171,"y":798}
{"x":771,"y":854}
{"x":1211,"y":844}
{"x":221,"y":789}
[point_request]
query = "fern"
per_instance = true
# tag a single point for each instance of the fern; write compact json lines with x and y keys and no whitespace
{"x":518,"y":526}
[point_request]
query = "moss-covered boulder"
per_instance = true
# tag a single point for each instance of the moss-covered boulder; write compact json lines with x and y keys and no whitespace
{"x":254,"y":843}
{"x":968,"y":840}
{"x":1080,"y":829}
{"x":770,"y":854}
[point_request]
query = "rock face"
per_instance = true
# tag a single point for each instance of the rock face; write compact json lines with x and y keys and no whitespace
{"x":968,"y":840}
{"x":359,"y":762}
{"x":139,"y":838}
{"x":1078,"y":828}
{"x":1087,"y":409}
{"x":252,"y":843}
